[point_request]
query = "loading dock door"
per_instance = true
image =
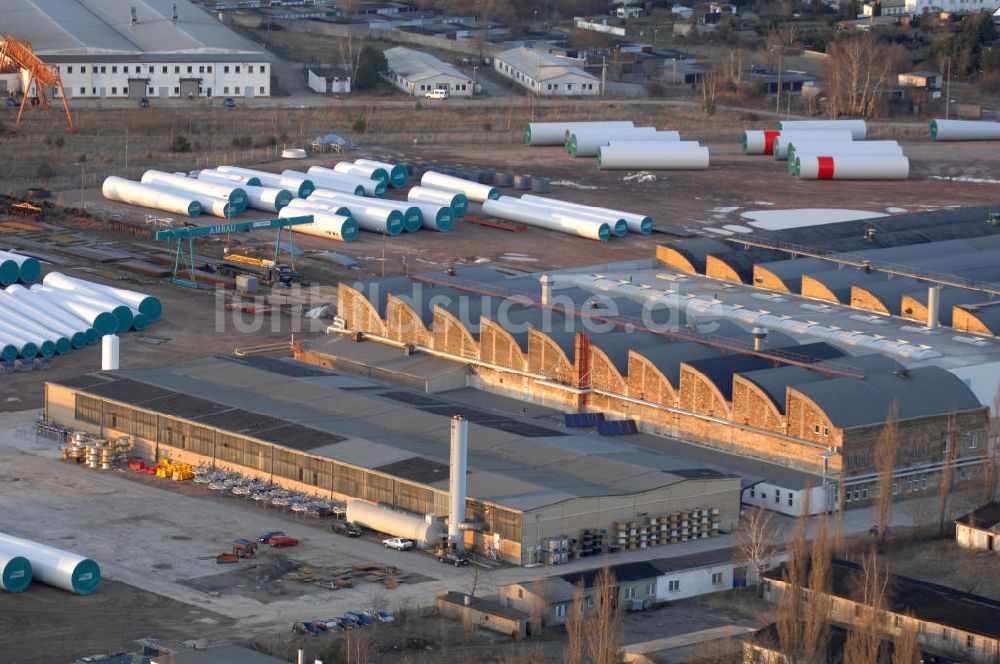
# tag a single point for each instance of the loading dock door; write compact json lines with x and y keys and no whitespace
{"x":190,"y":87}
{"x":137,"y":88}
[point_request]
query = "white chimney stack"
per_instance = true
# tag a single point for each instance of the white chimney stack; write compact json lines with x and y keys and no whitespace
{"x":459,"y":453}
{"x":109,"y":352}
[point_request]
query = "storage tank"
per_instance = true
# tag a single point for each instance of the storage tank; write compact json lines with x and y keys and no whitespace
{"x":655,"y":156}
{"x":149,"y":305}
{"x":398,"y":175}
{"x":472,"y":190}
{"x":15,"y":572}
{"x":964,"y":130}
{"x":852,"y":168}
{"x":858,"y":128}
{"x":781,"y":143}
{"x":459,"y":203}
{"x":325,"y":224}
{"x":110,"y":348}
{"x":143,"y":195}
{"x":55,"y":567}
{"x":554,"y":133}
{"x":426,"y":531}
{"x":29,"y":270}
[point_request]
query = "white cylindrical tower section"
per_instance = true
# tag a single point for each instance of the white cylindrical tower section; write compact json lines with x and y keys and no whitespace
{"x":456,"y":485}
{"x":109,"y":352}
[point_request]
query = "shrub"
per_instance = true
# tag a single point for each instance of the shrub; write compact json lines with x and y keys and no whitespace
{"x":82,"y":158}
{"x":487,"y":126}
{"x":267,"y":142}
{"x":44,"y":171}
{"x":360,"y":126}
{"x":180,"y":144}
{"x":656,"y":90}
{"x":242,"y":141}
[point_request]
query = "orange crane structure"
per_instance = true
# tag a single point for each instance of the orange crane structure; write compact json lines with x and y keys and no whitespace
{"x":19,"y":54}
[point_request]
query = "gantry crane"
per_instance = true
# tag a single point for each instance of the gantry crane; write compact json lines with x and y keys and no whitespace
{"x":19,"y":54}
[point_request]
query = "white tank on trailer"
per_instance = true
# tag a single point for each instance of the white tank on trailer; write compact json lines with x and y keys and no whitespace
{"x":427,"y":531}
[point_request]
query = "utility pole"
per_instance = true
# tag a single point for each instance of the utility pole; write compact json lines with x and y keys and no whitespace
{"x":947,"y":93}
{"x":777,"y":95}
{"x":604,"y":73}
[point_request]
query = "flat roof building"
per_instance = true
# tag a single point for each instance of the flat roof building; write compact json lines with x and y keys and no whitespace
{"x":545,"y":74}
{"x":144,"y":48}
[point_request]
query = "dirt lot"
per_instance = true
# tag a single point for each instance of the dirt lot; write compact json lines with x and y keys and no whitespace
{"x":945,"y":563}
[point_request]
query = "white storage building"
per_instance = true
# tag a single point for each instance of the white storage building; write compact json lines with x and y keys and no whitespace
{"x":326,"y":80}
{"x":142,"y":48}
{"x":545,"y":74}
{"x":417,"y":73}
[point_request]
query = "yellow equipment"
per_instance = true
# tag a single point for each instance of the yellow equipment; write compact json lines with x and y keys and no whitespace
{"x":46,"y":77}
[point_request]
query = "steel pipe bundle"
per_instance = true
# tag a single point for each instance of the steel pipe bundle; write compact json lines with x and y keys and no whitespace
{"x":232,"y":193}
{"x":325,"y":224}
{"x":15,"y":572}
{"x":370,"y":217}
{"x":345,"y":172}
{"x":55,"y":567}
{"x":103,"y":321}
{"x":144,"y":195}
{"x":781,"y":143}
{"x":637,"y":223}
{"x":398,"y":175}
{"x":852,"y":167}
{"x":17,"y":268}
{"x":29,"y":343}
{"x":37,"y":302}
{"x":127,"y":314}
{"x":299,"y":186}
{"x":964,"y":130}
{"x":458,"y":203}
{"x":514,"y":209}
{"x":585,"y":142}
{"x":413,"y":216}
{"x":327,"y":178}
{"x":655,"y":156}
{"x":373,"y":172}
{"x":824,"y":149}
{"x":148,"y":305}
{"x":555,"y":133}
{"x":318,"y":202}
{"x":14,"y":344}
{"x":76,"y":333}
{"x":858,"y":128}
{"x":122,"y":313}
{"x":472,"y":190}
{"x":219,"y":177}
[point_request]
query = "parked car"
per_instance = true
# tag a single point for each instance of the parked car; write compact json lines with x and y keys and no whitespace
{"x":305,"y":627}
{"x":229,"y":102}
{"x":10,"y":101}
{"x":380,"y":615}
{"x":398,"y":543}
{"x":280,"y":541}
{"x":263,"y":539}
{"x":144,"y":103}
{"x":437,"y":93}
{"x":357,"y":617}
{"x":454,"y":558}
{"x":346,"y":528}
{"x":346,"y":622}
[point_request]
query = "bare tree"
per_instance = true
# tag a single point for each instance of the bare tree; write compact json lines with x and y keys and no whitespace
{"x":757,"y":542}
{"x":710,"y":89}
{"x":857,"y":72}
{"x":865,"y":636}
{"x":990,"y":451}
{"x":795,"y":577}
{"x":950,"y":454}
{"x":604,"y":625}
{"x":905,"y":648}
{"x":886,"y":448}
{"x":816,"y":626}
{"x":349,"y":50}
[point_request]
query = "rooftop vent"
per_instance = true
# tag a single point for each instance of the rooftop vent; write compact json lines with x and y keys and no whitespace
{"x":133,"y":16}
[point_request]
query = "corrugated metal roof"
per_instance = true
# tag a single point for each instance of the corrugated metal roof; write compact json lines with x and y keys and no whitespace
{"x":416,"y":65}
{"x":541,"y":66}
{"x":91,"y":27}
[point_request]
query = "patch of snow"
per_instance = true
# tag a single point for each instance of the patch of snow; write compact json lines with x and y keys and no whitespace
{"x":895,"y":210}
{"x":719,"y":231}
{"x":519,"y":259}
{"x":776,"y":220}
{"x":964,"y":178}
{"x":763,"y":203}
{"x":641,"y":177}
{"x":736,"y":228}
{"x":572,"y":185}
{"x":480,"y":260}
{"x":724,"y":210}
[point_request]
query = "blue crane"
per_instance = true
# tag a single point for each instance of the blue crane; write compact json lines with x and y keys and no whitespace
{"x":175,"y":238}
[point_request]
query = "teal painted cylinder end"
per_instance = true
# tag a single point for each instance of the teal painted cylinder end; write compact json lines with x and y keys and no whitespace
{"x":140,"y":321}
{"x":29,"y":351}
{"x":86,"y":577}
{"x":79,"y":340}
{"x":106,"y":323}
{"x":47,"y":349}
{"x":620,"y":228}
{"x":152,"y":307}
{"x":63,"y":345}
{"x":349,"y":231}
{"x":8,"y":352}
{"x":646,"y":225}
{"x":16,"y":575}
{"x":31,"y":271}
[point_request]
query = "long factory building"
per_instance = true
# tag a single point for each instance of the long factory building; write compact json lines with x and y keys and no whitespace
{"x":813,"y":406}
{"x":105,"y":49}
{"x":343,"y":437}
